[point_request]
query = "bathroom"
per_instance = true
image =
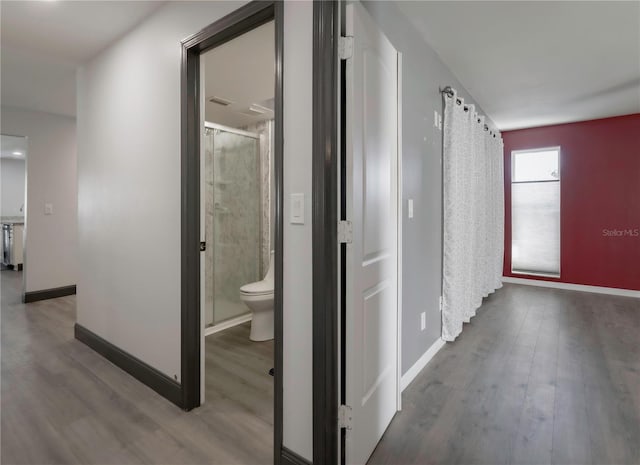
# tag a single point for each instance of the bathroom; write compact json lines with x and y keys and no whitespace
{"x":237,"y":204}
{"x":237,"y":217}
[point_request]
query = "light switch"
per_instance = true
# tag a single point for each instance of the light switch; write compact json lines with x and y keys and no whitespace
{"x":423,"y":321}
{"x":297,"y":209}
{"x":48,"y":209}
{"x":436,"y":118}
{"x":410,"y":208}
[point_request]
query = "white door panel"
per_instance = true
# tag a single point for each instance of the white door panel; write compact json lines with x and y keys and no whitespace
{"x":372,"y":261}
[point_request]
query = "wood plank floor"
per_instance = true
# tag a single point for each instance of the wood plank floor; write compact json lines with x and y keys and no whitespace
{"x":540,"y":376}
{"x":62,"y":403}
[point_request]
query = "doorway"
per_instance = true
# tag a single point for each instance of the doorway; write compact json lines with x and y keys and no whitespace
{"x":237,"y":284}
{"x":222,"y":312}
{"x":357,"y":225}
{"x":13,"y":171}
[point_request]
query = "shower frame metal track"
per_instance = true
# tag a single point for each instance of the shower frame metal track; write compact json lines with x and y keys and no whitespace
{"x":240,"y":132}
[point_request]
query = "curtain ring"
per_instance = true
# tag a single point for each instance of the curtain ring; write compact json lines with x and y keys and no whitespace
{"x":448,"y":91}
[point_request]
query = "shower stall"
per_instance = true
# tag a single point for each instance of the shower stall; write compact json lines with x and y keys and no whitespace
{"x":236,"y":167}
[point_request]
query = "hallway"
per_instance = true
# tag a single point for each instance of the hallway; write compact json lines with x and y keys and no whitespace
{"x":62,"y":403}
{"x":540,"y":376}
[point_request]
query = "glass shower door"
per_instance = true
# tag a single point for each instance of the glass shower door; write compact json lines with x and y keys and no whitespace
{"x":233,"y":221}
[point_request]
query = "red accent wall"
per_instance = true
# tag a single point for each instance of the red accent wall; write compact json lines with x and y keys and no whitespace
{"x":599,"y":199}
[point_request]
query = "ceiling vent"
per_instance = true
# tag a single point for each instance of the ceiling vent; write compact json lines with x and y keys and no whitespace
{"x":220,"y":101}
{"x":257,"y":110}
{"x":251,"y":111}
{"x":260,"y":108}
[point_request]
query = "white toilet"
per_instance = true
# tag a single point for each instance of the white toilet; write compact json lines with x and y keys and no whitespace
{"x":258,"y":297}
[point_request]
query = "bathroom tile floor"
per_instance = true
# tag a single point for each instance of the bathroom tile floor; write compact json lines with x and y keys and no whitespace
{"x":62,"y":403}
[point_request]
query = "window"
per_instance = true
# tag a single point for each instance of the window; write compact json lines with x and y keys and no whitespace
{"x":535,"y":211}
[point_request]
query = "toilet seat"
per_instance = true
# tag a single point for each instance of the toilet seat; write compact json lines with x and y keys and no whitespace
{"x":258,"y":288}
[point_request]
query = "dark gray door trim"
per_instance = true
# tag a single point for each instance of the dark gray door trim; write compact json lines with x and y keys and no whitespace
{"x":238,"y":22}
{"x":291,"y":458}
{"x":278,"y":232}
{"x":325,"y":227}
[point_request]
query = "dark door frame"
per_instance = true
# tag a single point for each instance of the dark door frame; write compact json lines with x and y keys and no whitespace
{"x":326,"y":31}
{"x":236,"y":23}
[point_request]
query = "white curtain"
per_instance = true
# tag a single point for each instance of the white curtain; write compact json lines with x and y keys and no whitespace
{"x":473,"y":214}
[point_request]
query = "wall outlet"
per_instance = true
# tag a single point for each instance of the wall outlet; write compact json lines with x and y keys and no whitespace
{"x":48,"y":209}
{"x":423,"y":321}
{"x":410,"y":208}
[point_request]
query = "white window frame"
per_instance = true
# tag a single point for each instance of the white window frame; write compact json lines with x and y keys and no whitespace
{"x":559,"y":181}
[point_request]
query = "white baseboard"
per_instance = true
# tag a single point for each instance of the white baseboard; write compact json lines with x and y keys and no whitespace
{"x":421,"y":363}
{"x":573,"y":287}
{"x":208,"y":331}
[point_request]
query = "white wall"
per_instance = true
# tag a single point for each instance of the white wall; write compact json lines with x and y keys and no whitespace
{"x":51,"y":246}
{"x":129,"y":196}
{"x":12,"y":172}
{"x":129,"y":185}
{"x":297,"y":272}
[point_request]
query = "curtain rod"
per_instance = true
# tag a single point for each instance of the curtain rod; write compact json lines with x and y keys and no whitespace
{"x":449,"y":92}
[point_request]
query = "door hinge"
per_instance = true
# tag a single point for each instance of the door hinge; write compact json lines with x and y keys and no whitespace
{"x":345,"y":232}
{"x":345,"y":417}
{"x":203,"y":246}
{"x":345,"y":47}
{"x":440,"y":304}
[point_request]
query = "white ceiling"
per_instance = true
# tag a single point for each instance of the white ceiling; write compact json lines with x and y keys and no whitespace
{"x":537,"y":63}
{"x":526,"y":63}
{"x":73,"y":31}
{"x":43,"y":42}
{"x":37,"y":82}
{"x":241,"y":71}
{"x":14,"y":147}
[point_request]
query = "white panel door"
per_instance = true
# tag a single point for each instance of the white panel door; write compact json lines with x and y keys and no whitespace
{"x":372,"y":257}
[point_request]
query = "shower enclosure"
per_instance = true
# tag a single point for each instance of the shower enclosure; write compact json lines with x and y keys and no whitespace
{"x":233,"y":219}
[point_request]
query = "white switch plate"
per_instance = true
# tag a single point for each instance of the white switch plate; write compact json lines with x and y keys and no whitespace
{"x":423,"y":321}
{"x":436,"y":118}
{"x":410,"y":208}
{"x":48,"y":209}
{"x":297,"y":209}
